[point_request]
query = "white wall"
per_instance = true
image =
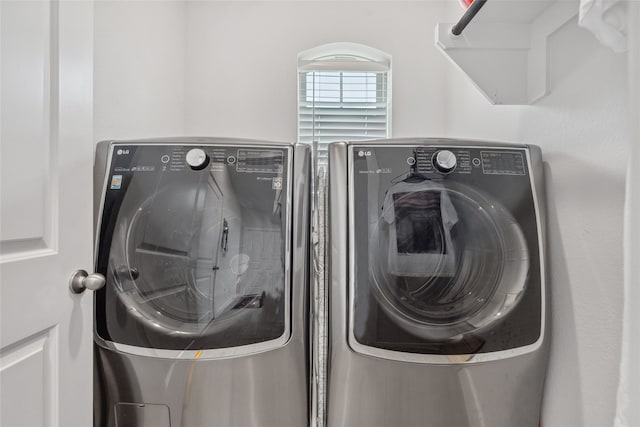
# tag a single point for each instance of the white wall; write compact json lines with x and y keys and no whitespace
{"x":139,"y":69}
{"x":237,"y":62}
{"x":586,"y":149}
{"x":242,"y":59}
{"x":582,"y":127}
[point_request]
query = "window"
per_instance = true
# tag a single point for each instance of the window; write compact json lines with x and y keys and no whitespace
{"x":343,"y":95}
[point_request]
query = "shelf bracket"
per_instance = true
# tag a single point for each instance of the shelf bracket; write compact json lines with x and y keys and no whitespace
{"x":506,"y":61}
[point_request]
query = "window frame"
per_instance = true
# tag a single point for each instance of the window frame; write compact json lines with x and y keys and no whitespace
{"x":343,"y":58}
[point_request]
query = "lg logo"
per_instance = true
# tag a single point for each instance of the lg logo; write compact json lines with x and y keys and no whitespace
{"x":121,"y":152}
{"x":363,"y":153}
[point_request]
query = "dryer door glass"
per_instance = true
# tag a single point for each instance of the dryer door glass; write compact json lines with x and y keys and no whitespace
{"x":195,"y":259}
{"x":440,"y":261}
{"x":446,"y":261}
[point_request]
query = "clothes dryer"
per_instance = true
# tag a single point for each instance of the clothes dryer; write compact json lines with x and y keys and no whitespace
{"x":203,"y":320}
{"x":438,"y":301}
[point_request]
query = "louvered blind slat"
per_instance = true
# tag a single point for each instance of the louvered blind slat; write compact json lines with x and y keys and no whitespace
{"x":342,"y":105}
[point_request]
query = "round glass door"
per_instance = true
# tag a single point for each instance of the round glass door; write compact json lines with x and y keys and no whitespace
{"x":195,"y":259}
{"x":446,"y":259}
{"x":172,"y":246}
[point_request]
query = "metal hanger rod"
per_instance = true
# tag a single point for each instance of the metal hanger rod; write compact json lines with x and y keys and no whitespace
{"x":471,"y":12}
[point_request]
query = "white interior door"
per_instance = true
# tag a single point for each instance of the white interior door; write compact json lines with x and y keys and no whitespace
{"x":46,"y":155}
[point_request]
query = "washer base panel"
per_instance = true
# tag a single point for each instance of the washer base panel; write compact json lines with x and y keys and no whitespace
{"x":266,"y":389}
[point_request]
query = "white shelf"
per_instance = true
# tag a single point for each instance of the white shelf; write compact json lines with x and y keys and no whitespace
{"x":504,"y":51}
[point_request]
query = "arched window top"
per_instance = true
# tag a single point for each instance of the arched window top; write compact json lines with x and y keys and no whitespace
{"x":344,"y":94}
{"x":344,"y":56}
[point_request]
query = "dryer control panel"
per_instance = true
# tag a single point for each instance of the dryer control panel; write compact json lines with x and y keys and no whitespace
{"x":439,"y":160}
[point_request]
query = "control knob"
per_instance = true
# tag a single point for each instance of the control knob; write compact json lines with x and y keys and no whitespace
{"x":444,"y":161}
{"x":197,"y":159}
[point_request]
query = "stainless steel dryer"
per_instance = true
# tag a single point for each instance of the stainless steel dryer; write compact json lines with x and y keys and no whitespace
{"x":203,"y":319}
{"x":438,"y":300}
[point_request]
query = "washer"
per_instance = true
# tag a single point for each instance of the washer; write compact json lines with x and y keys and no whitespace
{"x":203,"y":320}
{"x":438,"y":301}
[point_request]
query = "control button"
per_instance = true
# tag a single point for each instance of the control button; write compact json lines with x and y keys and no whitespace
{"x":411,"y":161}
{"x":444,"y":161}
{"x":476,"y":162}
{"x":231,"y":159}
{"x":165,"y":159}
{"x":197,"y":159}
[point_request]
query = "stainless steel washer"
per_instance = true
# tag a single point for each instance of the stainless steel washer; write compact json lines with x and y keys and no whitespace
{"x":203,"y":320}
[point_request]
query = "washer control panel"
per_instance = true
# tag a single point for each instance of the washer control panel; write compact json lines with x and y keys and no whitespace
{"x":264,"y":163}
{"x":180,"y":158}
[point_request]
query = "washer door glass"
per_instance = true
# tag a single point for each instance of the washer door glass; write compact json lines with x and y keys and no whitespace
{"x":197,"y":258}
{"x":445,"y":260}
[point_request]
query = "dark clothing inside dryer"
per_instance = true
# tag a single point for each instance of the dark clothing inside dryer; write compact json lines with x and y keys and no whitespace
{"x":419,"y":223}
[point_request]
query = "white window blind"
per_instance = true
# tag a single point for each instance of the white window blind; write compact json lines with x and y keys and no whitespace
{"x":342,"y":98}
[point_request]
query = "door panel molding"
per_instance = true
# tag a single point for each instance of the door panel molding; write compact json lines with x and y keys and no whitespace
{"x":29,"y":172}
{"x":34,"y":361}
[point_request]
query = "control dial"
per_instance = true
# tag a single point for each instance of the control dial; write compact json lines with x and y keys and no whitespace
{"x":197,"y":159}
{"x":444,"y":161}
